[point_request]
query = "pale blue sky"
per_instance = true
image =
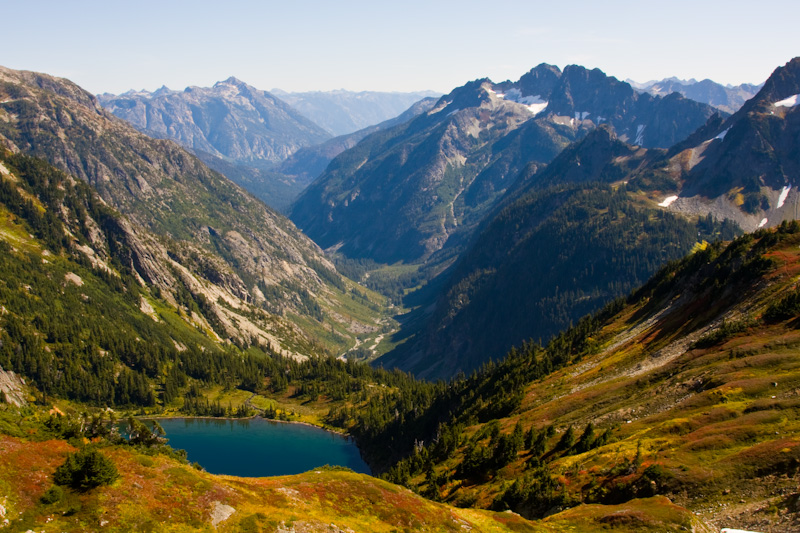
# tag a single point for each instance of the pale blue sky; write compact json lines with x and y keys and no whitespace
{"x":406,"y":45}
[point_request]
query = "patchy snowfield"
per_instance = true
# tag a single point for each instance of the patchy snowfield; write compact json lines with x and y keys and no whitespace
{"x":639,"y":135}
{"x":763,"y":223}
{"x":534,"y":103}
{"x":783,"y":196}
{"x":667,"y":201}
{"x":789,"y":102}
{"x":722,"y":135}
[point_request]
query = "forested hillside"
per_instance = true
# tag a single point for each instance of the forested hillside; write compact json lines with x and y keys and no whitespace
{"x":686,"y":388}
{"x":199,"y":235}
{"x":572,"y":238}
{"x":80,"y":324}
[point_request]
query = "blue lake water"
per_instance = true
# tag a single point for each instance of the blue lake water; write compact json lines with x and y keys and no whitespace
{"x":258,"y":447}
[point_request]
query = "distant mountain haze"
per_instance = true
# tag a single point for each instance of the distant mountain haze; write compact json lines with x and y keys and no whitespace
{"x":728,"y":98}
{"x":243,"y":132}
{"x":343,"y":112}
{"x":232,"y":120}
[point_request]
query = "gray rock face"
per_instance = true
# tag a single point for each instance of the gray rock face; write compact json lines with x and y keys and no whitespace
{"x":12,"y":388}
{"x":184,"y":224}
{"x":745,"y":168}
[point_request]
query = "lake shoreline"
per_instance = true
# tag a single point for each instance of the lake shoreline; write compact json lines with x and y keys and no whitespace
{"x":261,"y":442}
{"x":191,"y":417}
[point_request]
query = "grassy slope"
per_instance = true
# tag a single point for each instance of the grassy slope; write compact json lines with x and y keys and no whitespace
{"x":720,"y":422}
{"x":156,"y":493}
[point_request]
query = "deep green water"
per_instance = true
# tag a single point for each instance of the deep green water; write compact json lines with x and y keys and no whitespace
{"x":259,"y":447}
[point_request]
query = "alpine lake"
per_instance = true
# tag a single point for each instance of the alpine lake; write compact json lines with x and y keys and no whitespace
{"x":257,"y":447}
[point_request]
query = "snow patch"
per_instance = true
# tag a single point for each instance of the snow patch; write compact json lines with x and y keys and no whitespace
{"x":534,"y":103}
{"x":763,"y":223}
{"x":667,"y":201}
{"x":537,"y":108}
{"x":792,"y":101}
{"x":453,"y":112}
{"x":439,"y":108}
{"x":639,"y":135}
{"x":581,"y":115}
{"x":783,"y":196}
{"x":723,"y":134}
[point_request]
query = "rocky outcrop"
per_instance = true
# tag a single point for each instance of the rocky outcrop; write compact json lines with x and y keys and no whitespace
{"x":745,"y":168}
{"x":12,"y":388}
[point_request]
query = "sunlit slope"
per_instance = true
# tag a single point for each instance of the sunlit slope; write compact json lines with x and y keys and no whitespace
{"x":156,"y":493}
{"x":688,"y":390}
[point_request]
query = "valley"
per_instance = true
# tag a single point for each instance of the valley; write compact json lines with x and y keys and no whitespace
{"x":557,"y":303}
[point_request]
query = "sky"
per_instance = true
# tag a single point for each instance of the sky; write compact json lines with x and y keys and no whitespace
{"x":307,"y":45}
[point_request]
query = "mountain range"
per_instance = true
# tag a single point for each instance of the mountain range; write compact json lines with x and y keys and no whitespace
{"x":598,"y":221}
{"x":421,"y":188}
{"x":231,"y":120}
{"x":728,"y":98}
{"x":243,"y":132}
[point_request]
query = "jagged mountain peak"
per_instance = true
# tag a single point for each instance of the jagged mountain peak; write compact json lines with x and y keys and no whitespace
{"x":441,"y":173}
{"x":783,"y":83}
{"x":240,"y":86}
{"x":471,"y":94}
{"x":744,"y":167}
{"x":231,"y":80}
{"x":230,"y":120}
{"x":539,"y":80}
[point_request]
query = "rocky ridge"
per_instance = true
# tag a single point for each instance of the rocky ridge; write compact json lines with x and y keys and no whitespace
{"x":420,"y":189}
{"x":188,"y":225}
